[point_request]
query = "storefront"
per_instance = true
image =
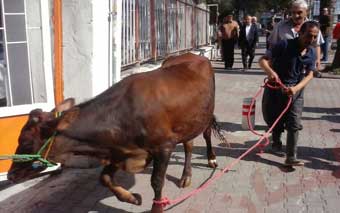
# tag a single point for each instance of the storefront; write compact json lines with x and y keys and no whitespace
{"x":50,"y":50}
{"x":56,"y":49}
{"x":26,"y":78}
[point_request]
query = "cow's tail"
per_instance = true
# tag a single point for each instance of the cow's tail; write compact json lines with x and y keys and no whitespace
{"x":218,"y":131}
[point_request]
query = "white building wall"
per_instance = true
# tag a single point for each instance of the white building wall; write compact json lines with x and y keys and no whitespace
{"x":86,"y":40}
{"x":100,"y":66}
{"x":77,"y":48}
{"x":116,"y":12}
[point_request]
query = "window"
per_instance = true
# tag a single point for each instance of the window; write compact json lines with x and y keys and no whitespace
{"x":25,"y":57}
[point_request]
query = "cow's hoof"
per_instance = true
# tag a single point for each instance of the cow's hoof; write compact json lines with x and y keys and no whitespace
{"x":212,"y":163}
{"x":156,"y":208}
{"x":185,"y":182}
{"x":137,"y":199}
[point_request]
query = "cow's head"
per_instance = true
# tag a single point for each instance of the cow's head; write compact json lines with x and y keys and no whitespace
{"x":39,"y":128}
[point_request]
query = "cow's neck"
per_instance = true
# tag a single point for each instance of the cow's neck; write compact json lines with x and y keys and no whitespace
{"x":81,"y":123}
{"x":75,"y":153}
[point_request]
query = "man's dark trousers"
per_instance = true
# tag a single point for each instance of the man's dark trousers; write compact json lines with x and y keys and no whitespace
{"x":324,"y":48}
{"x":273,"y":104}
{"x":247,"y":51}
{"x":228,"y":52}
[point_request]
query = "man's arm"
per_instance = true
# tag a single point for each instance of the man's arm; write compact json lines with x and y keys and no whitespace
{"x":318,"y":58}
{"x":310,"y":68}
{"x":293,"y":90}
{"x":274,"y":35}
{"x":320,"y":41}
{"x":219,"y":32}
{"x":237,"y":29}
{"x":265,"y":64}
{"x":256,"y":35}
{"x":328,"y":21}
{"x":219,"y":36}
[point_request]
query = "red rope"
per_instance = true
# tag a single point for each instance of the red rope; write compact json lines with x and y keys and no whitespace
{"x":277,"y":85}
{"x":166,"y":201}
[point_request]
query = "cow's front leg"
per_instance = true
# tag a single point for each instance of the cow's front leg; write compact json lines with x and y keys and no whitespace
{"x":210,"y":152}
{"x":186,"y":175}
{"x":160,"y":164}
{"x":107,"y":178}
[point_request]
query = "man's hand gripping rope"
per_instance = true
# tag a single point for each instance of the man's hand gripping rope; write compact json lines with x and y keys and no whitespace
{"x":272,"y":82}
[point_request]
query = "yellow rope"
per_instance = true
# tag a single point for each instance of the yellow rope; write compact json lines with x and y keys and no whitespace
{"x":57,"y":114}
{"x":49,"y":148}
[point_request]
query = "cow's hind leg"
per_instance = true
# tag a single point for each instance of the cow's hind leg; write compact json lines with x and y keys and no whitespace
{"x":186,"y":175}
{"x":210,"y":152}
{"x":160,"y":163}
{"x":107,"y":178}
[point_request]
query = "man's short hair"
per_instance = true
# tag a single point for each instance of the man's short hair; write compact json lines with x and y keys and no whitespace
{"x":299,"y":3}
{"x":309,"y":24}
{"x":246,"y":16}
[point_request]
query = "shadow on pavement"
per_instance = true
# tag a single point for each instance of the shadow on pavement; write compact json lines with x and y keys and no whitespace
{"x":233,"y":127}
{"x":331,"y":114}
{"x":5,"y":184}
{"x":239,"y":71}
{"x":315,"y":158}
{"x":75,"y":190}
{"x":177,"y":180}
{"x":77,"y":186}
{"x":330,"y":118}
{"x":331,"y":111}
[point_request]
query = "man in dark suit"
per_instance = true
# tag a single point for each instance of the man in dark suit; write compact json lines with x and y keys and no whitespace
{"x":247,"y":41}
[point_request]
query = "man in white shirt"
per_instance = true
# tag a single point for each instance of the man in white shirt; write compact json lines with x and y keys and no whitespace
{"x":247,"y":41}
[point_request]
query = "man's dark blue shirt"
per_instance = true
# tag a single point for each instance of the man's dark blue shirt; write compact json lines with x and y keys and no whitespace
{"x":288,"y":62}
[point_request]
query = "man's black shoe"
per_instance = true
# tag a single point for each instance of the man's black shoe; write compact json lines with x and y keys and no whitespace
{"x":277,"y":147}
{"x":294,"y":162}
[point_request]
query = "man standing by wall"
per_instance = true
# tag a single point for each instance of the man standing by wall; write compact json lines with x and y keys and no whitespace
{"x":325,"y":27}
{"x":227,"y":36}
{"x":288,"y":29}
{"x":247,"y":41}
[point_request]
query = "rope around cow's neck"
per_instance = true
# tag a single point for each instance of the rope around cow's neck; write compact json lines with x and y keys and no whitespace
{"x":35,"y":157}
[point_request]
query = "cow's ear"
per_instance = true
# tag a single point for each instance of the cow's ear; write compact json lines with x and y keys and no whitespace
{"x":68,"y":118}
{"x":64,"y":106}
{"x":35,"y":116}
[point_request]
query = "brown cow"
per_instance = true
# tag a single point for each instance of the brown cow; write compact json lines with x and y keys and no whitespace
{"x":139,"y":119}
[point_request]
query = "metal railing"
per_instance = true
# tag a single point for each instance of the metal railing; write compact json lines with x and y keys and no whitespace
{"x":153,"y":29}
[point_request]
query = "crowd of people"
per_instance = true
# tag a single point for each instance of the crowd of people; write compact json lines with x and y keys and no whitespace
{"x":245,"y":35}
{"x":296,"y":47}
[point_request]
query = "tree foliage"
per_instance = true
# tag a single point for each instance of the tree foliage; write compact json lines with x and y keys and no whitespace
{"x":253,"y":7}
{"x":325,"y":3}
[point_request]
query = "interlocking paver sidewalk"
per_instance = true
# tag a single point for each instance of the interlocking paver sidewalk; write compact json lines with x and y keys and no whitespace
{"x":259,"y":183}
